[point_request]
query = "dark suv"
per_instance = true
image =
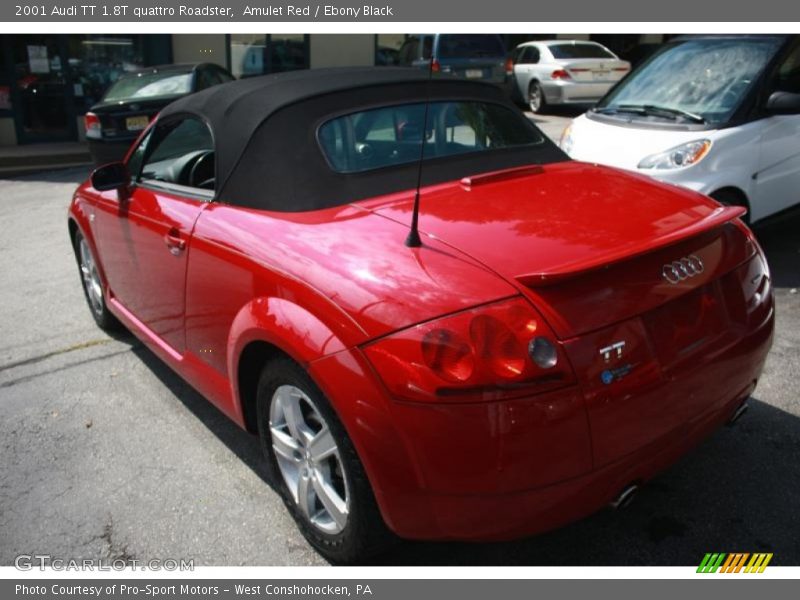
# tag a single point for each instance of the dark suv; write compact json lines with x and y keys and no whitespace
{"x":472,"y":56}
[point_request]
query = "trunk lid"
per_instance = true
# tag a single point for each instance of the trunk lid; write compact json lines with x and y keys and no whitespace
{"x":567,"y":235}
{"x":596,"y":70}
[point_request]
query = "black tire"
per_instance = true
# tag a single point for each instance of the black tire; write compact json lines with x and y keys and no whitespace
{"x":730,"y":197}
{"x":537,"y":102}
{"x":96,"y":302}
{"x":365,"y":533}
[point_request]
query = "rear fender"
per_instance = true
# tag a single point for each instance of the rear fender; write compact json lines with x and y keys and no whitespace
{"x":345,"y":379}
{"x":283,"y":324}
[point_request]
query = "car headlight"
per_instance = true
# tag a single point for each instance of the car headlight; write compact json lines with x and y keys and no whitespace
{"x":678,"y":157}
{"x":566,"y":139}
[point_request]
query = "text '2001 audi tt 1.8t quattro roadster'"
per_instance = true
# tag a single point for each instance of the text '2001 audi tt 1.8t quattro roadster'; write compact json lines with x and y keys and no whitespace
{"x":557,"y":334}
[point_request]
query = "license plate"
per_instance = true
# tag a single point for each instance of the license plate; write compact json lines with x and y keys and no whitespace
{"x":684,"y":325}
{"x":474,"y":73}
{"x":601,"y":74}
{"x":136,"y":123}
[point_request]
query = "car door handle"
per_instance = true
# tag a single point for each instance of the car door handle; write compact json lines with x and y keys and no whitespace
{"x":175,"y":244}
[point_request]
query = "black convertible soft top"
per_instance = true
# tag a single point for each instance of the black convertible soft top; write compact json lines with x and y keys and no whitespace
{"x":265,"y":135}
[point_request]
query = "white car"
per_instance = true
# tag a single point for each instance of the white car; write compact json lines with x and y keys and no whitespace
{"x":565,"y":72}
{"x":717,"y":114}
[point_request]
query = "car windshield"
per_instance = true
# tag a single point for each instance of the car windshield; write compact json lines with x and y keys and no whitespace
{"x":146,"y":85}
{"x":579,"y":51}
{"x":469,"y":46}
{"x":701,"y":80}
{"x":389,"y":136}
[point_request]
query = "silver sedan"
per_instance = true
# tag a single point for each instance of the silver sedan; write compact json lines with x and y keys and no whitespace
{"x":565,"y":72}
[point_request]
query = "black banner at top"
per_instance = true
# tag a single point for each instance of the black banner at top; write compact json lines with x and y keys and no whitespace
{"x":389,"y":11}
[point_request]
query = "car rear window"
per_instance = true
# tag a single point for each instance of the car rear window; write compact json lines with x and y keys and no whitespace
{"x":388,"y":136}
{"x":469,"y":46}
{"x":147,"y":85}
{"x":579,"y":51}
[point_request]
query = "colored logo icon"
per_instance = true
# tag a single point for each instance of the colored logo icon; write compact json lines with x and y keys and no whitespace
{"x":737,"y":562}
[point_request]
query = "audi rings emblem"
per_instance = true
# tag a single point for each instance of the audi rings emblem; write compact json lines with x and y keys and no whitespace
{"x":677,"y":271}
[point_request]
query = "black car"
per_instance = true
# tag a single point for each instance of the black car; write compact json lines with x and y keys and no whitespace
{"x":135,"y":98}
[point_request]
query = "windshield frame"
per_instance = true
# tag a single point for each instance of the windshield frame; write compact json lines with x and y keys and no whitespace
{"x":743,"y":112}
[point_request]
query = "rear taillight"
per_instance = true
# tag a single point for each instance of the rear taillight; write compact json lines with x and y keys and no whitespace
{"x":751,"y":238}
{"x":509,"y":66}
{"x":435,"y":66}
{"x":560,"y":74}
{"x":92,"y":124}
{"x":493,"y":352}
{"x":621,"y":69}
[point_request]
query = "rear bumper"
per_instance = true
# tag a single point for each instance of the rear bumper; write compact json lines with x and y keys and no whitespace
{"x":571,"y":92}
{"x":504,"y":81}
{"x":505,"y":470}
{"x":511,"y":516}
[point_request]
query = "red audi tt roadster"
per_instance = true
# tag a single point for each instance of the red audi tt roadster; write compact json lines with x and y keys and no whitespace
{"x":439,"y":325}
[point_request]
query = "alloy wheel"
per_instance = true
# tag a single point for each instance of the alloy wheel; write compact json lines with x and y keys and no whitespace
{"x":535,"y":98}
{"x":90,"y":278}
{"x":309,"y":460}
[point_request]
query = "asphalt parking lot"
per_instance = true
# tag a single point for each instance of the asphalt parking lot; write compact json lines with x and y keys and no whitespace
{"x":105,"y":453}
{"x":554,"y":122}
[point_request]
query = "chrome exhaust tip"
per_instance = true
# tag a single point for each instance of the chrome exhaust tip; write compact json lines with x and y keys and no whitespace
{"x":625,"y":497}
{"x":739,"y":412}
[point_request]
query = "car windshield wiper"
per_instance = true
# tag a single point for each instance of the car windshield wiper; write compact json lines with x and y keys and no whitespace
{"x":652,"y":109}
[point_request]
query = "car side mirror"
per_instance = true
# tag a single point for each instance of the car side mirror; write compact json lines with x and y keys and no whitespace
{"x":113,"y":176}
{"x":783,"y":103}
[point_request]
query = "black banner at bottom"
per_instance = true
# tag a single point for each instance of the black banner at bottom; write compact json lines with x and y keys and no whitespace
{"x":732,"y":587}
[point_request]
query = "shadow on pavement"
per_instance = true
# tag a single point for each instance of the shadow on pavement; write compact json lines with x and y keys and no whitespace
{"x":74,"y":175}
{"x":241,"y":443}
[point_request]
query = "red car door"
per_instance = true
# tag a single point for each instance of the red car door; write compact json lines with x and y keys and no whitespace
{"x":144,"y":233}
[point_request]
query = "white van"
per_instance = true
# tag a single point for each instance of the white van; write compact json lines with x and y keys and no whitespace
{"x":717,"y":114}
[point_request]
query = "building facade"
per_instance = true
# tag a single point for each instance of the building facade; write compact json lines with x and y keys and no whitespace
{"x":48,"y":81}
